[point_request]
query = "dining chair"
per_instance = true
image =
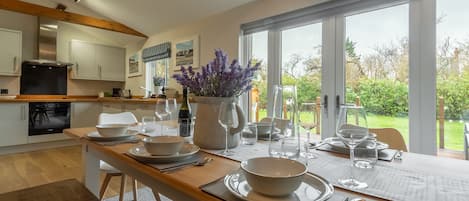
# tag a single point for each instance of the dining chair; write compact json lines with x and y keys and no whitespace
{"x":466,"y":141}
{"x":280,"y":123}
{"x":110,"y":171}
{"x":390,"y":136}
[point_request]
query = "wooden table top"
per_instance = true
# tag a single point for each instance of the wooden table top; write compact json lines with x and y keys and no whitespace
{"x":189,"y":179}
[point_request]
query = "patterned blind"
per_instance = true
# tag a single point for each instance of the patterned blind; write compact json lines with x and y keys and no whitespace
{"x":161,"y":51}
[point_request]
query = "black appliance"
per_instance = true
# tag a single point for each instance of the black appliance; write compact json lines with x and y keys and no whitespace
{"x":48,"y":117}
{"x":43,"y":79}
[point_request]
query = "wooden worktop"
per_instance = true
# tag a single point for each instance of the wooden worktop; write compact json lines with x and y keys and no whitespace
{"x":59,"y":98}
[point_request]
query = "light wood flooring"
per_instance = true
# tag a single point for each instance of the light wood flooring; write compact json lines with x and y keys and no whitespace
{"x":23,"y":170}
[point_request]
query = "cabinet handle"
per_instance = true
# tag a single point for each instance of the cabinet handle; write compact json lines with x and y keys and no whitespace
{"x":100,"y":72}
{"x":77,"y":67}
{"x":14,"y":64}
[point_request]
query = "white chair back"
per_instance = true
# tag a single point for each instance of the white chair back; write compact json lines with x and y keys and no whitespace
{"x":117,"y":118}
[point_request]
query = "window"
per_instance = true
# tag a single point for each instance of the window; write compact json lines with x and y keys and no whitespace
{"x":156,"y":71}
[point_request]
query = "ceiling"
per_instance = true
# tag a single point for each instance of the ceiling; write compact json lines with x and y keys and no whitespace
{"x":147,"y":16}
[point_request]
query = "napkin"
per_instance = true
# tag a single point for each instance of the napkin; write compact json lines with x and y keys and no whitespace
{"x":384,"y":155}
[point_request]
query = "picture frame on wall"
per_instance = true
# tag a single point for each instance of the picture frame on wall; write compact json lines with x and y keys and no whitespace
{"x":186,"y":53}
{"x":134,"y":67}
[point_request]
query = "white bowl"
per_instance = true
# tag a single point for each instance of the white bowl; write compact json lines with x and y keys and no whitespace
{"x":112,"y":130}
{"x":273,"y":176}
{"x":163,"y":145}
{"x":263,"y":128}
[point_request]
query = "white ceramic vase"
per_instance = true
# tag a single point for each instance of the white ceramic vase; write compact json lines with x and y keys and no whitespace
{"x":208,"y":133}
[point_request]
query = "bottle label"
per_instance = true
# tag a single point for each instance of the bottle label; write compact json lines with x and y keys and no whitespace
{"x":184,"y":127}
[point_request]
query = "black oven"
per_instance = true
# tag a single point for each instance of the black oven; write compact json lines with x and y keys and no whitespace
{"x":48,"y":117}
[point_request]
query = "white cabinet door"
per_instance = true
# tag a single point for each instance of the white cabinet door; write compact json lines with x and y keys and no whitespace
{"x":111,"y":62}
{"x":112,"y":108}
{"x":10,"y":52}
{"x":83,"y":57}
{"x":13,"y":124}
{"x":85,"y":114}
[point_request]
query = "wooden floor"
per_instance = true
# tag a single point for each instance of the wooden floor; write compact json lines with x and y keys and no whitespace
{"x":23,"y":170}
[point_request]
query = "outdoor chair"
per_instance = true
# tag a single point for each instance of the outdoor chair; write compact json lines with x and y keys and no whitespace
{"x":390,"y":136}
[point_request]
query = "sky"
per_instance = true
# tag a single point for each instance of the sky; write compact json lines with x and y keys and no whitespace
{"x":371,"y":29}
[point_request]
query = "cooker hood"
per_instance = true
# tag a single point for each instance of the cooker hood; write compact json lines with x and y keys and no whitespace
{"x":47,"y":44}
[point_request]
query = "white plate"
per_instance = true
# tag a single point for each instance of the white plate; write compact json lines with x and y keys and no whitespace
{"x":95,"y":136}
{"x":337,"y":143}
{"x":313,"y":188}
{"x":141,"y":154}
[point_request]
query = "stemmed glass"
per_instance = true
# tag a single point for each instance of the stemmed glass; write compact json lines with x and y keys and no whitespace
{"x":308,"y":121}
{"x":162,"y":111}
{"x":352,"y":129}
{"x":227,"y":118}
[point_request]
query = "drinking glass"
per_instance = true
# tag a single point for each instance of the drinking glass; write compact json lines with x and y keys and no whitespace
{"x":308,"y":121}
{"x":352,"y":129}
{"x":148,"y":123}
{"x":366,"y":154}
{"x":162,"y":111}
{"x":249,"y":134}
{"x":227,"y":118}
{"x":284,"y":135}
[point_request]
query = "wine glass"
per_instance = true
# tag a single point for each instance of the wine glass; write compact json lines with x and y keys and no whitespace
{"x":227,"y":118}
{"x":308,"y":121}
{"x":352,"y":129}
{"x":162,"y":111}
{"x":173,"y":108}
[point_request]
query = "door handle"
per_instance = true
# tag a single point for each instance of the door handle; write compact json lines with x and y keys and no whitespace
{"x":337,"y":102}
{"x":325,"y":104}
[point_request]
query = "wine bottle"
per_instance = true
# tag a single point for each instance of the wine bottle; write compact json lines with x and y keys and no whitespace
{"x":185,"y":116}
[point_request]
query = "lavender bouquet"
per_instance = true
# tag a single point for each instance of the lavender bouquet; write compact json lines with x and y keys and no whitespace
{"x":218,"y":78}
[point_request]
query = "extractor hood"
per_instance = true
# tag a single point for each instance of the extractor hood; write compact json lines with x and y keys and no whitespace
{"x":47,"y":44}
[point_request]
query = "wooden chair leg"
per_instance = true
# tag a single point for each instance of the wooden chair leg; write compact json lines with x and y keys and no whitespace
{"x":104,"y":186}
{"x":122,"y":190}
{"x":134,"y":188}
{"x":156,"y":194}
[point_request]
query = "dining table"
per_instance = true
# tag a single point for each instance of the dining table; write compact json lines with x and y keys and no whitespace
{"x":185,"y":183}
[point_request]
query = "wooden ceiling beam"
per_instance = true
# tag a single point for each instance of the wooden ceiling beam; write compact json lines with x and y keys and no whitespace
{"x":37,"y":10}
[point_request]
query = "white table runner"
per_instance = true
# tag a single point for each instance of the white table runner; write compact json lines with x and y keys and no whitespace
{"x":384,"y":180}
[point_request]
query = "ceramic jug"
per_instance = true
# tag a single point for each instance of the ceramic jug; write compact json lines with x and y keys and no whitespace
{"x":208,"y":133}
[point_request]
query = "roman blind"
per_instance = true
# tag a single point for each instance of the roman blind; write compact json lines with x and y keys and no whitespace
{"x":161,"y":51}
{"x":316,"y":12}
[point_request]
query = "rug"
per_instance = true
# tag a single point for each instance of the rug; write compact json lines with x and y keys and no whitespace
{"x":144,"y":194}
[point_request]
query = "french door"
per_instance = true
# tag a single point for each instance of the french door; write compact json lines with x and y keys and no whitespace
{"x":372,"y":53}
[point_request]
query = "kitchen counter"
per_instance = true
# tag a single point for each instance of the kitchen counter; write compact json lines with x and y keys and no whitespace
{"x":54,"y":98}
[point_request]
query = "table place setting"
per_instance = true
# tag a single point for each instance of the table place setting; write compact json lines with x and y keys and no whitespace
{"x":113,"y":134}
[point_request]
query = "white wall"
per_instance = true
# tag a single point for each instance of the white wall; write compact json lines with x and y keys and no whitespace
{"x":219,"y":31}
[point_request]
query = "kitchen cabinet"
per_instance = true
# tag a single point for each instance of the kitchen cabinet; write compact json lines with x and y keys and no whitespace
{"x":10,"y":53}
{"x":97,"y":62}
{"x":84,"y":62}
{"x":85,"y":114}
{"x":111,"y":62}
{"x":112,"y":108}
{"x":14,"y":124}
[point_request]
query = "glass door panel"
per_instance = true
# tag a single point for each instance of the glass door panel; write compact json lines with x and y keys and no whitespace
{"x":258,"y":102}
{"x":301,"y":55}
{"x":452,"y":73}
{"x":377,"y":66}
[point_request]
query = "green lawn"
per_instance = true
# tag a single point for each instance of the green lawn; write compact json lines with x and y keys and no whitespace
{"x":453,"y":129}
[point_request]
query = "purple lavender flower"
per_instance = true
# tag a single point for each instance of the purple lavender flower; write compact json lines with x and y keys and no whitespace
{"x":218,"y":78}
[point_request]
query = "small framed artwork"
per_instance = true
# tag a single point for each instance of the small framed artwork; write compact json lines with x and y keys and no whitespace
{"x":186,"y":53}
{"x":134,"y":66}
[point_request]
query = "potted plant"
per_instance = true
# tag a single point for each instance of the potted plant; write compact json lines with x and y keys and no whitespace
{"x":216,"y":82}
{"x":158,"y":82}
